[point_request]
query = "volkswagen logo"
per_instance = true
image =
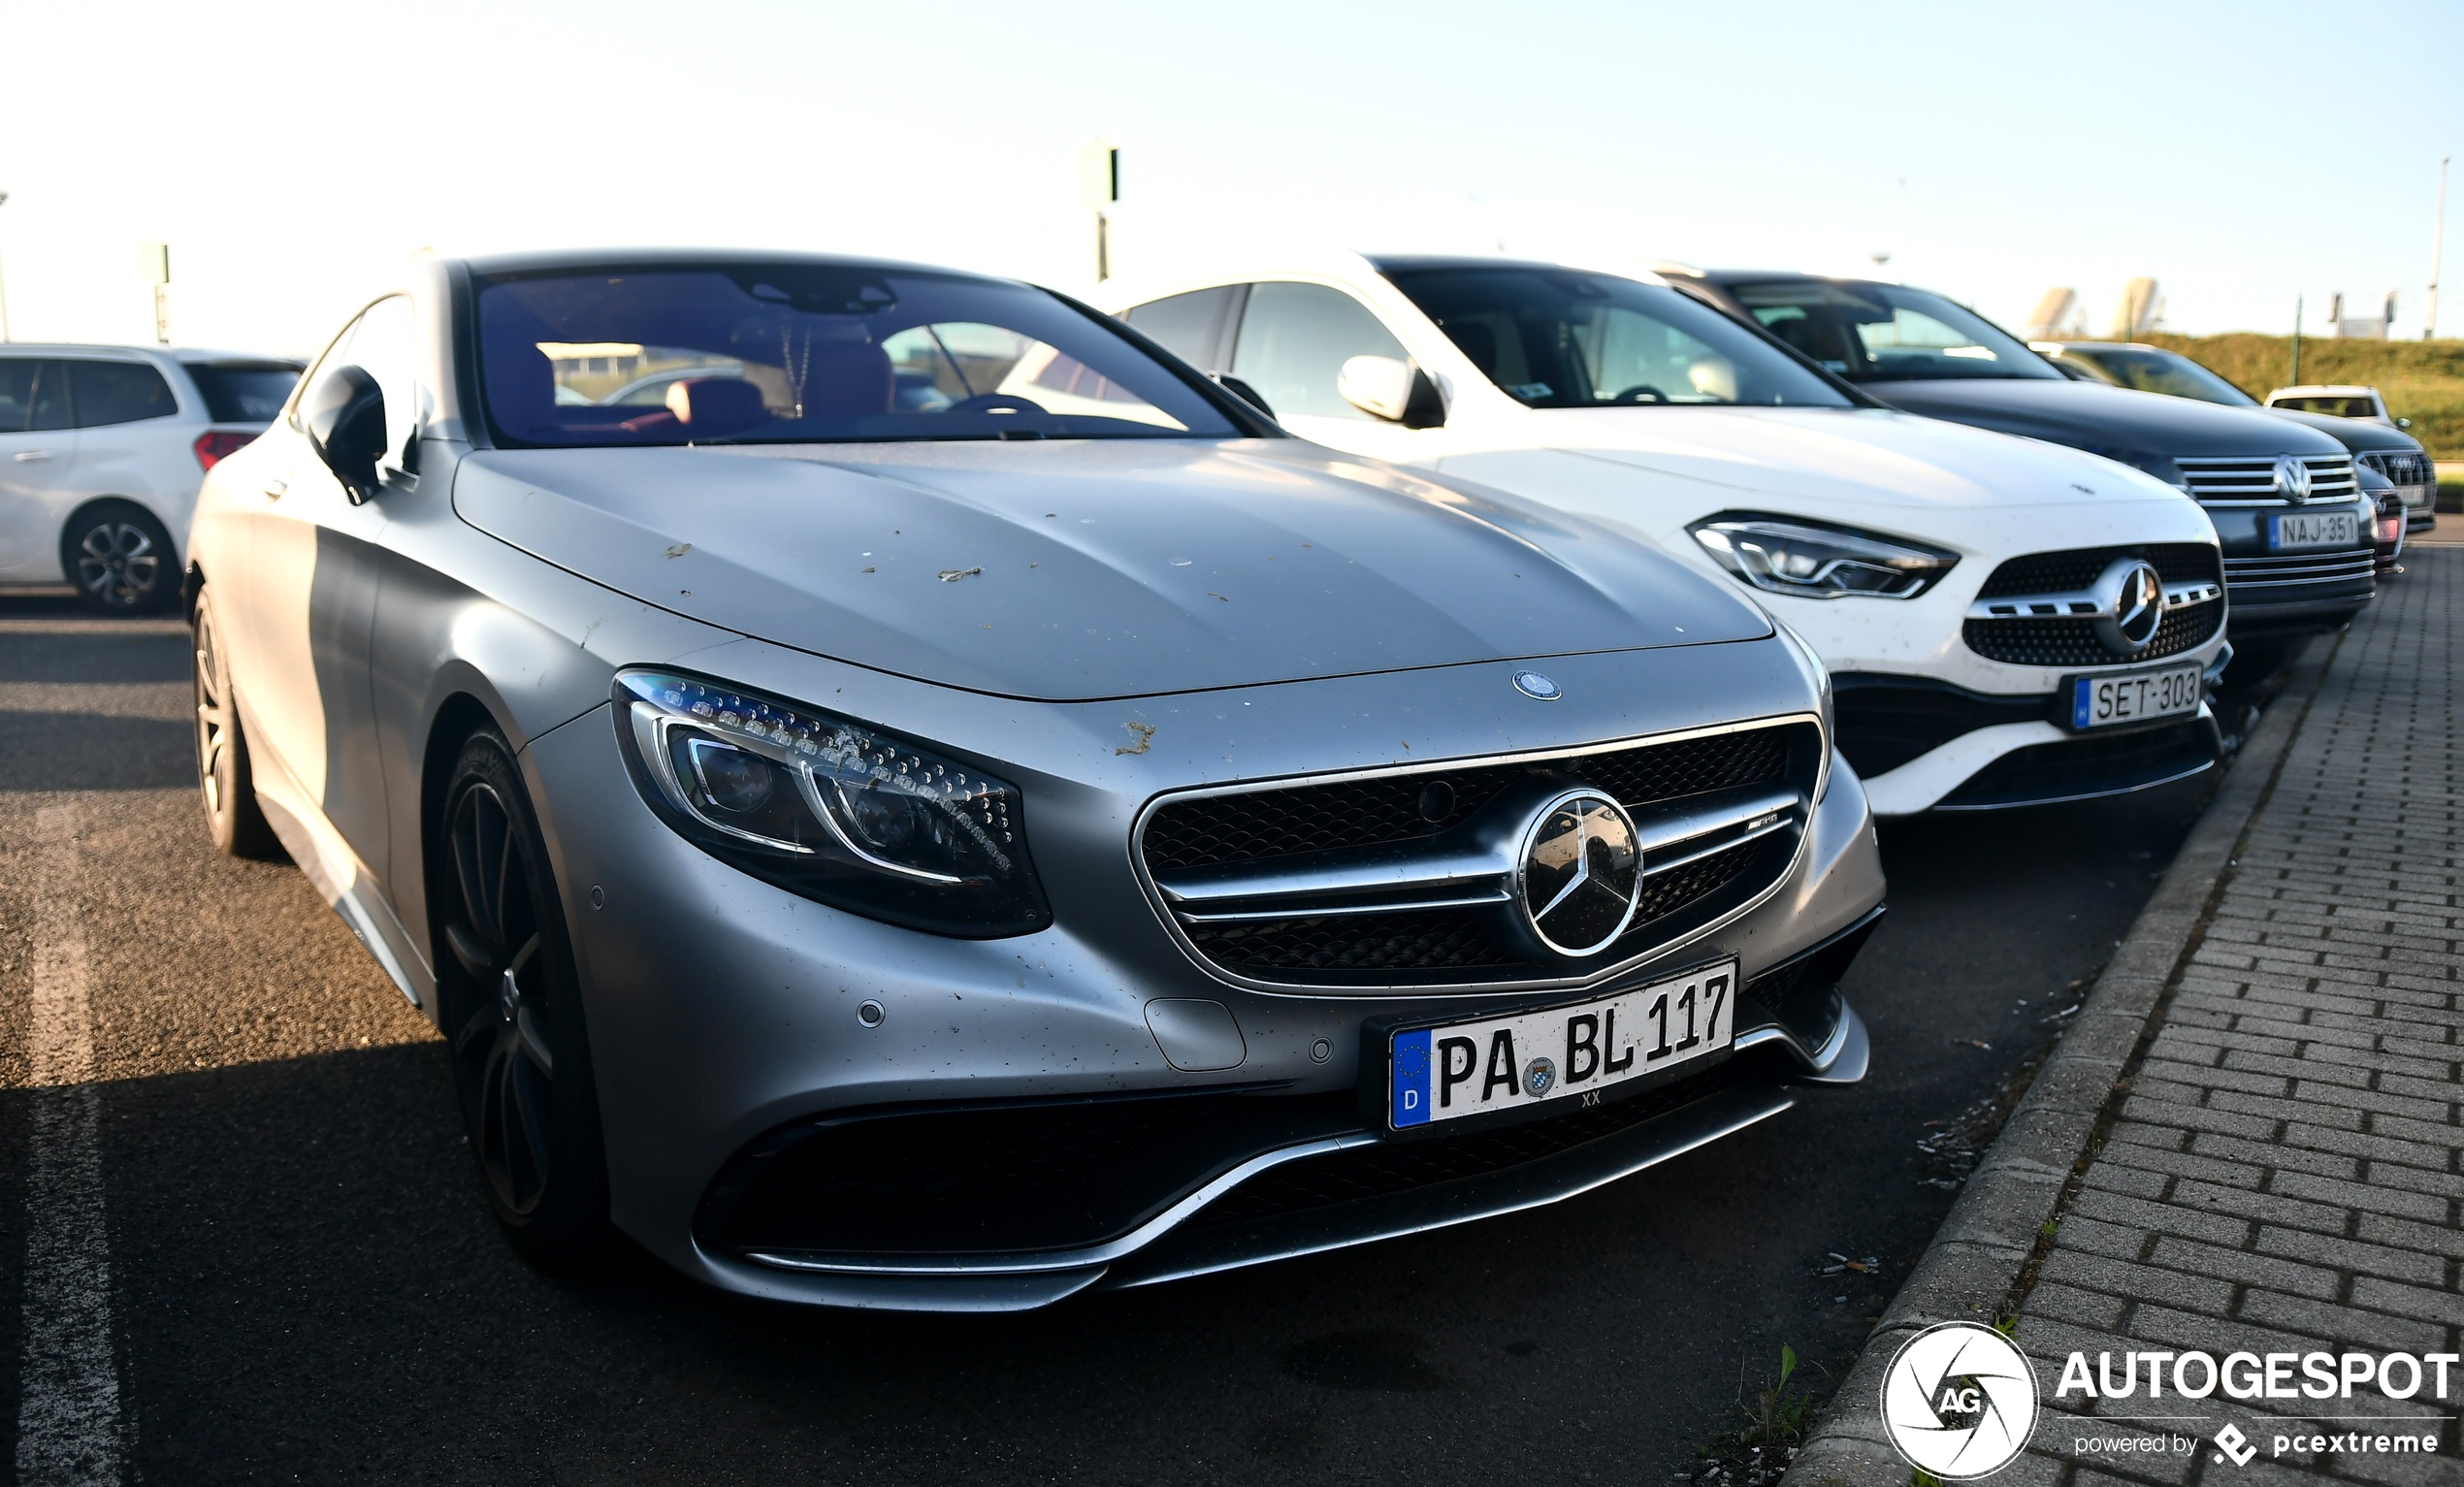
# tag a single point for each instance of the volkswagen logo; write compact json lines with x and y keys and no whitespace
{"x":1532,"y":684}
{"x":2292,"y":477}
{"x":1579,"y":873}
{"x":2130,"y":605}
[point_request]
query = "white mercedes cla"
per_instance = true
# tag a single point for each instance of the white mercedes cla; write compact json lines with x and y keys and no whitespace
{"x":2008,"y":623}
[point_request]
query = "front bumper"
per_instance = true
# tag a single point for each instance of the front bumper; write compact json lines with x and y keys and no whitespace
{"x":1925,"y":745}
{"x":724,"y":1016}
{"x":1313,"y":1178}
{"x":2280,"y":596}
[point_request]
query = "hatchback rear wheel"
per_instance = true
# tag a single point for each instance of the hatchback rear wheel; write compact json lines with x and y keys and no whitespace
{"x":513,"y":1015}
{"x":119,"y":557}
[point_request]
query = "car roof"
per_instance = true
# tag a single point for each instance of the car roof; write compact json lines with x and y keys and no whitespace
{"x":186,"y":356}
{"x":588,"y":260}
{"x":1726,"y":276}
{"x":2322,"y":390}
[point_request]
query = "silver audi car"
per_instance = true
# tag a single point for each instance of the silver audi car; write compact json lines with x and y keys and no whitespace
{"x":937,"y":804}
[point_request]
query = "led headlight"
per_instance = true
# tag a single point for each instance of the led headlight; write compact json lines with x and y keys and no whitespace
{"x":1782,"y":554}
{"x":837,"y":812}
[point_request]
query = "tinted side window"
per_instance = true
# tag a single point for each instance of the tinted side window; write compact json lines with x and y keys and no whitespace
{"x":1295,"y":339}
{"x":119,"y":392}
{"x":19,"y":376}
{"x":1191,"y":326}
{"x":243,"y":391}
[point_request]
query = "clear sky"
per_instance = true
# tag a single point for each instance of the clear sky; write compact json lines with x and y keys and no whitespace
{"x":296,"y":155}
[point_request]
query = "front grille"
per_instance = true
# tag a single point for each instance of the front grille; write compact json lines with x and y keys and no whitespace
{"x":2279,"y":570}
{"x":1258,"y":824}
{"x":2250,"y":480}
{"x":1402,"y":1166}
{"x":2077,"y":768}
{"x":2073,"y":642}
{"x":1438,"y":940}
{"x":2411,"y":473}
{"x":1455,"y":945}
{"x":2079,"y":567}
{"x":996,"y":1176}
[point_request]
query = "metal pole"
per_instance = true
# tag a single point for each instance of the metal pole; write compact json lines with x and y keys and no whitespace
{"x":2295,"y":380}
{"x":4,"y":288}
{"x":2438,"y":254}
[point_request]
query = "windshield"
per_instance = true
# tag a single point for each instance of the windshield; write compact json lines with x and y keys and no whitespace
{"x":805,"y":352}
{"x":1554,"y":338}
{"x":1879,"y":333}
{"x":2161,"y":372}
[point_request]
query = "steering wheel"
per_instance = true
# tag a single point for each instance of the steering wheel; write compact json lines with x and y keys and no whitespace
{"x":995,"y":403}
{"x":1641,"y":392}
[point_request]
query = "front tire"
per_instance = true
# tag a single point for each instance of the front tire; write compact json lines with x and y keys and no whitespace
{"x":121,"y":559}
{"x":513,"y":1015}
{"x":223,"y":777}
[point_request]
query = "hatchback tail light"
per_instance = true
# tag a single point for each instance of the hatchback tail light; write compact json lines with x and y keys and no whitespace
{"x":212,"y":445}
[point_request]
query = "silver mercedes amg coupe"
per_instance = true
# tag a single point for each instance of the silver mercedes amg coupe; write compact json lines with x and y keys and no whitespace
{"x":897,"y":792}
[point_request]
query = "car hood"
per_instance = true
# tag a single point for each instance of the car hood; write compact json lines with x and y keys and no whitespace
{"x":2354,"y":434}
{"x":1845,"y":458}
{"x":2091,"y":416}
{"x":1070,"y":570}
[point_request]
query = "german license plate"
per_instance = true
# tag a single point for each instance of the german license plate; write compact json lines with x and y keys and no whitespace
{"x":2101,"y":701}
{"x":2312,"y":529}
{"x":1562,"y":1055}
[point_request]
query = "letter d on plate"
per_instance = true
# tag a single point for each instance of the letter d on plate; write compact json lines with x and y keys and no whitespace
{"x":1408,"y":1085}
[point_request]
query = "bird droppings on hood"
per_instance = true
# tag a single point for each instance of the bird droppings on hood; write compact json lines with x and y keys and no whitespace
{"x":1145,"y":732}
{"x":1181,"y":562}
{"x":1211,"y":593}
{"x":679,"y":549}
{"x":952,"y":576}
{"x":687,"y":592}
{"x":865,"y":569}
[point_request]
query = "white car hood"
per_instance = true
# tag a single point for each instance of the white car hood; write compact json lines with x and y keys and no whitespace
{"x":1844,"y":458}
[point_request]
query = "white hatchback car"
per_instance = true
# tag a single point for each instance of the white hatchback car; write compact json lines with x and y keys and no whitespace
{"x":2008,"y":623}
{"x":101,"y":450}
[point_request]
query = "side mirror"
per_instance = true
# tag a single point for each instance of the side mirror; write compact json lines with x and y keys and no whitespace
{"x":345,"y":419}
{"x":2404,"y":423}
{"x":1397,"y":391}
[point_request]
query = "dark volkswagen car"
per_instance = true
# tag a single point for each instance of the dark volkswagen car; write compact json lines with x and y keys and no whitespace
{"x":2295,"y":527}
{"x":2392,"y":452}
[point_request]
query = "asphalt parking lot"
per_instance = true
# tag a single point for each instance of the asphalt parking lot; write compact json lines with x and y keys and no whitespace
{"x":305,"y":1282}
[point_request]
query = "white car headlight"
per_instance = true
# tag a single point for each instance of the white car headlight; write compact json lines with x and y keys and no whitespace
{"x":1782,"y":554}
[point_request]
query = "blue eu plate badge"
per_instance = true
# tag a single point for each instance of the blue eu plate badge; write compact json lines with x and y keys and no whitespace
{"x":1409,"y":1086}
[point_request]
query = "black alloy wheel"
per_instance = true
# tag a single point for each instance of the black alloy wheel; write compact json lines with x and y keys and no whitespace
{"x":513,"y":1015}
{"x":121,"y":559}
{"x":223,"y":777}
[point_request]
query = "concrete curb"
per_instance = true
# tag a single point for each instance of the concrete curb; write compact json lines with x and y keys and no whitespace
{"x":1984,"y":1247}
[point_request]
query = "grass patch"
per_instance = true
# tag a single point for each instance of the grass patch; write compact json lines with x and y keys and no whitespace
{"x":1766,"y":1438}
{"x":2423,"y":380}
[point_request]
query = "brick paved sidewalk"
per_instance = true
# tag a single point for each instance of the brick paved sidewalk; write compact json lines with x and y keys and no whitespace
{"x":2287,"y":1169}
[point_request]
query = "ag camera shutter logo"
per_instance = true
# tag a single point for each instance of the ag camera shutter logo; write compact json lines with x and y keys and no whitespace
{"x":1958,"y":1401}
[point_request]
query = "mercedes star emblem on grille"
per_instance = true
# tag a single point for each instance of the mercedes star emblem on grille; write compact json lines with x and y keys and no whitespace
{"x":2292,"y":477}
{"x":2130,"y":605}
{"x":1532,"y":684}
{"x":1579,"y":873}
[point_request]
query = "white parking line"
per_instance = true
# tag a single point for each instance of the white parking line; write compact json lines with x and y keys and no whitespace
{"x":68,"y":1405}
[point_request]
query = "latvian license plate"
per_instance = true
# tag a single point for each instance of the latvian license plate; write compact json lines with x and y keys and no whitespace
{"x":1563,"y":1054}
{"x":2312,"y":528}
{"x":2101,"y":701}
